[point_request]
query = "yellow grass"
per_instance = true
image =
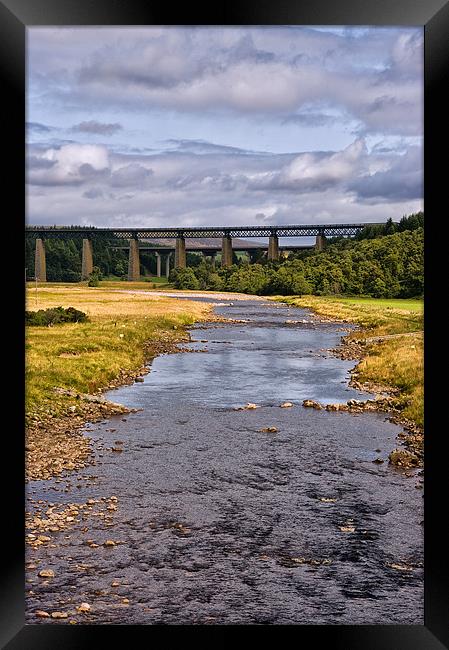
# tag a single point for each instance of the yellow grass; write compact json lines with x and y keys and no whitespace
{"x":397,"y":362}
{"x":87,"y":356}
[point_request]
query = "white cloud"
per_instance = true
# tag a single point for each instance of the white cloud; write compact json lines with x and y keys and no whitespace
{"x":70,"y":164}
{"x":333,"y":168}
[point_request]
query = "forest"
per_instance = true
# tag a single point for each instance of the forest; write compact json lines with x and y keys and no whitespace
{"x":384,"y":261}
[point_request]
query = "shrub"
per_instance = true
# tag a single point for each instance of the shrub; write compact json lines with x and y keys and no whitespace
{"x":184,"y":278}
{"x":54,"y":316}
{"x":95,"y":277}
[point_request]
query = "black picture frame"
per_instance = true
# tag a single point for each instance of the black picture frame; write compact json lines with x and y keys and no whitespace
{"x":15,"y":17}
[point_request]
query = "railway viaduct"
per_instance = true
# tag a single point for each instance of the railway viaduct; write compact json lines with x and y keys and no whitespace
{"x":180,"y":235}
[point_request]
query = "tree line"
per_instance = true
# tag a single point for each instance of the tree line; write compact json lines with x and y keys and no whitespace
{"x":383,"y":263}
{"x":410,"y":222}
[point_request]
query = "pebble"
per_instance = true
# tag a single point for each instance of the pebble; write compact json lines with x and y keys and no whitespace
{"x":399,"y":567}
{"x":84,"y":607}
{"x":249,"y":406}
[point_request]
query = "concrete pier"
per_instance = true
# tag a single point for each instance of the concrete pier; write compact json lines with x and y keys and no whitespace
{"x":87,"y":263}
{"x":273,"y":247}
{"x":158,"y":264}
{"x":40,"y":268}
{"x":180,"y":253}
{"x":320,"y":242}
{"x":134,"y":260}
{"x":226,"y":251}
{"x":167,"y":265}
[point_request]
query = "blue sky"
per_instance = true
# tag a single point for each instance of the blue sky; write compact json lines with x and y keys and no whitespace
{"x":223,"y":125}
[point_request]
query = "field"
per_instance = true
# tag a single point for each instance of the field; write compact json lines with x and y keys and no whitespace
{"x":87,"y":356}
{"x":396,"y":362}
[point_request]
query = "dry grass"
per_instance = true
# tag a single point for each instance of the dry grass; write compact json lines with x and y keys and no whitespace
{"x":105,"y":303}
{"x":399,"y":363}
{"x":396,"y":362}
{"x":87,"y":356}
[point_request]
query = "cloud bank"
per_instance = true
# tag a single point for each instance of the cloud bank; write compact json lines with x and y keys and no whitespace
{"x":197,"y":126}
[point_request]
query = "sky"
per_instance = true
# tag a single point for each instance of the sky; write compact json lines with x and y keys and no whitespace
{"x":213,"y":126}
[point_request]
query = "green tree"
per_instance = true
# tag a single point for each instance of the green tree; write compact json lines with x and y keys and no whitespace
{"x":121,"y":268}
{"x":184,"y":278}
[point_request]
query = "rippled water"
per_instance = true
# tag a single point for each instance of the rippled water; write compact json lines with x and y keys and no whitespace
{"x":220,"y":523}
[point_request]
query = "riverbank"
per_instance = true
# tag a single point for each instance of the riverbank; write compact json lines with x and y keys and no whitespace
{"x":389,"y":347}
{"x":69,"y":366}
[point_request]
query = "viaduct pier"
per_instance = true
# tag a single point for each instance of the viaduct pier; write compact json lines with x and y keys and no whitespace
{"x":133,"y":235}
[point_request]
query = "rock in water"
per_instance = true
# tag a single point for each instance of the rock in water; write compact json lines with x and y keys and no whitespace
{"x":310,"y":403}
{"x":403,"y":458}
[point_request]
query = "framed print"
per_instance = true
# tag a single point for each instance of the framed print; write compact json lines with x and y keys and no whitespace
{"x":270,"y":165}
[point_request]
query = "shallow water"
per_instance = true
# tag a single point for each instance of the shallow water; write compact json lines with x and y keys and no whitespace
{"x":220,"y":523}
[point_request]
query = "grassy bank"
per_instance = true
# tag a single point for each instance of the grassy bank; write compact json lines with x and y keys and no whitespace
{"x":396,"y":362}
{"x":86,"y":356}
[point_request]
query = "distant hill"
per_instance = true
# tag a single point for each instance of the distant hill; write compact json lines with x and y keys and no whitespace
{"x":203,"y":242}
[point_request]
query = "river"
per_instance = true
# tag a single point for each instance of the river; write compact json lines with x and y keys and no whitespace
{"x":215,"y":521}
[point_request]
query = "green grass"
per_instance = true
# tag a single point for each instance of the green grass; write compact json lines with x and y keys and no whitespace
{"x":376,"y":303}
{"x":150,"y":279}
